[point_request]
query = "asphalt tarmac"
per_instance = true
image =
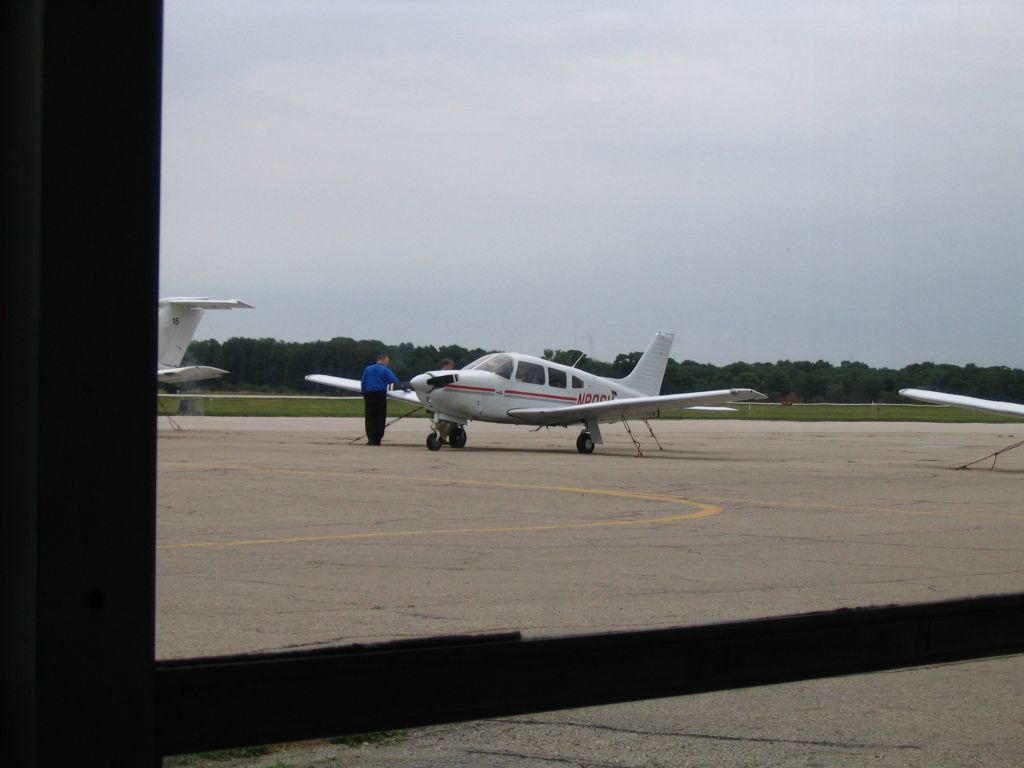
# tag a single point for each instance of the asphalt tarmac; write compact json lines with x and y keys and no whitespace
{"x":289,"y":533}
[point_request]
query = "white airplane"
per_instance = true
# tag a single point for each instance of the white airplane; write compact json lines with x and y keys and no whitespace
{"x":177,"y":320}
{"x":512,"y":388}
{"x":962,"y":401}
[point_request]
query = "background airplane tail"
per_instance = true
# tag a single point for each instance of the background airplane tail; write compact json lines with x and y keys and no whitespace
{"x":649,"y":372}
{"x":177,"y":320}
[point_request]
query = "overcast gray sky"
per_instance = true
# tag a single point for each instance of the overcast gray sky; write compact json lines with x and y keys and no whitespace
{"x":786,"y":180}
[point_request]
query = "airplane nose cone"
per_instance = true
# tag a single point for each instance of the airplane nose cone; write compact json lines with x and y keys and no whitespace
{"x":419,"y":384}
{"x":425,"y":383}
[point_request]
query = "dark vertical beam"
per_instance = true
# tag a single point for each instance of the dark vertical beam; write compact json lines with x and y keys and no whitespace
{"x":216,"y":703}
{"x":81,"y":114}
{"x":21,"y":124}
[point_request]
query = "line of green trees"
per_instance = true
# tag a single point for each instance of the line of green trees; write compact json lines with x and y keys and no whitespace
{"x":272,"y":366}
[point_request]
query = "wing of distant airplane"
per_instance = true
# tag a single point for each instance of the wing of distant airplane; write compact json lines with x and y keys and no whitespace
{"x":962,"y":401}
{"x":354,"y":385}
{"x":188,"y":373}
{"x":628,"y":407}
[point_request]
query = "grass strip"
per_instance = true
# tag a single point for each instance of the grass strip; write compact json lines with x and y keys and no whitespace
{"x":352,"y":407}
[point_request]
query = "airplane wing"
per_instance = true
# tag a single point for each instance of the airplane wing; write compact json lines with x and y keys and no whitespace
{"x":962,"y":401}
{"x":188,"y":373}
{"x":628,"y":407}
{"x":354,"y":385}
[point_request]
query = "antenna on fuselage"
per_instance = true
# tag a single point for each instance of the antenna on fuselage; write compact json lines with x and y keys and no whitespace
{"x":578,"y":360}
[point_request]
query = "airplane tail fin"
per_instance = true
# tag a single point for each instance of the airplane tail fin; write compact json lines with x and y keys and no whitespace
{"x":649,"y":372}
{"x":177,"y":320}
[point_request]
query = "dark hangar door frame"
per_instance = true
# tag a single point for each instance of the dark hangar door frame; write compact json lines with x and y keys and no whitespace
{"x":80,"y":221}
{"x":81,"y":154}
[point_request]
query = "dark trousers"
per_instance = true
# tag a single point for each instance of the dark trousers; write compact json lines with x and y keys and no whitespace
{"x":375,"y":410}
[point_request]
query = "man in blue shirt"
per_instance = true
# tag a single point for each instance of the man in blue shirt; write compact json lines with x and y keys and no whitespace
{"x":374,"y":385}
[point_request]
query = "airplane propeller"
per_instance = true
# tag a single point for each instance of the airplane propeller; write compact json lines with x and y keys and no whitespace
{"x":437,"y":382}
{"x":425,"y":383}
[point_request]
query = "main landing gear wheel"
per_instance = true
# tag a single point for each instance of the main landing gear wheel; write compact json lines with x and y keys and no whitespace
{"x":457,"y":437}
{"x":585,"y":443}
{"x":434,"y":441}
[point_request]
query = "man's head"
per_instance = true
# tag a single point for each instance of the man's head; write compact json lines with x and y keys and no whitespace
{"x":383,"y":358}
{"x":447,"y":364}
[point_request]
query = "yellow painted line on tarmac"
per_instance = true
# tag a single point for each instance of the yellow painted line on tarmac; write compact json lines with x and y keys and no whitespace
{"x":703,"y":509}
{"x":856,"y":508}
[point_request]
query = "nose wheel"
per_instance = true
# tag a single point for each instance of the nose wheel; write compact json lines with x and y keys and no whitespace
{"x":455,"y":436}
{"x":585,"y":443}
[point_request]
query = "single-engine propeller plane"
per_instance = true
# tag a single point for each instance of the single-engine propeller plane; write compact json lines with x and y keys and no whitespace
{"x":177,"y":320}
{"x":513,"y":388}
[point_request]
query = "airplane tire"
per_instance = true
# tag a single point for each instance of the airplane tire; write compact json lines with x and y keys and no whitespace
{"x":457,"y":438}
{"x":434,"y":441}
{"x":585,"y":443}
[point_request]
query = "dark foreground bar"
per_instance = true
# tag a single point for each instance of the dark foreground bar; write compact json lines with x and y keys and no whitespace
{"x":223,"y":702}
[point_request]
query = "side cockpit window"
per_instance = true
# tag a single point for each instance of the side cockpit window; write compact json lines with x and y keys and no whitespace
{"x":556,"y":378}
{"x":577,"y":382}
{"x":530,"y":373}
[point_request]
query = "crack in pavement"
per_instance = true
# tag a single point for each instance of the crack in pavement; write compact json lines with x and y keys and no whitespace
{"x":544,"y":758}
{"x":709,"y":736}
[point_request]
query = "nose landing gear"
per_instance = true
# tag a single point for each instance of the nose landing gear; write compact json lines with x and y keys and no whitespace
{"x":446,"y":432}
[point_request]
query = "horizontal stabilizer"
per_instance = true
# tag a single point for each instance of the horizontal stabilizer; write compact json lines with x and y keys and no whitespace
{"x":201,"y":302}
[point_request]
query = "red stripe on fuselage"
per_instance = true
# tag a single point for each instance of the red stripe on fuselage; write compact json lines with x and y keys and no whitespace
{"x":541,"y":395}
{"x":465,"y":388}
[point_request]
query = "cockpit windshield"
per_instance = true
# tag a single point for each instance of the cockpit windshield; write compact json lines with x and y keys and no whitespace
{"x":498,"y":363}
